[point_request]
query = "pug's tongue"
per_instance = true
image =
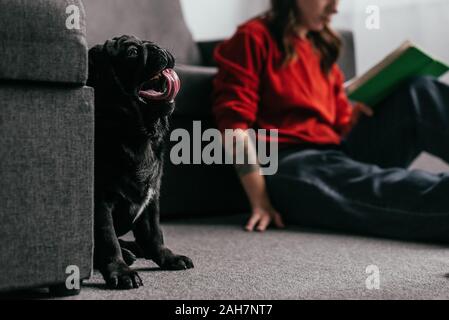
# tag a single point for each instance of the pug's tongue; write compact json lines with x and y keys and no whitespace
{"x":170,"y":93}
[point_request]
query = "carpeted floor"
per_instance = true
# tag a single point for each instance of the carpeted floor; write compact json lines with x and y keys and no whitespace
{"x":289,"y":264}
{"x":283,"y":264}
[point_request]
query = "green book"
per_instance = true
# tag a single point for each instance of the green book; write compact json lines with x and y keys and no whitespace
{"x":401,"y":65}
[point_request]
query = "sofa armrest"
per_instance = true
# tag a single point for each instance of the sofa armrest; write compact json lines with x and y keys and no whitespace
{"x":39,"y":43}
{"x":194,"y":99}
{"x":207,"y":52}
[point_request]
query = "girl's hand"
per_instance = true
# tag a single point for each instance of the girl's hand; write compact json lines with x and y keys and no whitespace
{"x":359,"y":110}
{"x":262,"y":217}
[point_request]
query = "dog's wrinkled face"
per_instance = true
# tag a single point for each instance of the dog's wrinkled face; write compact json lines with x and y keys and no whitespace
{"x":143,"y":69}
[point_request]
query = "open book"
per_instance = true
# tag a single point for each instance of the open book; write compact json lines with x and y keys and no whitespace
{"x":401,"y":65}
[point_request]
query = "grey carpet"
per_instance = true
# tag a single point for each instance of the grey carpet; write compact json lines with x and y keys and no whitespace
{"x":289,"y":264}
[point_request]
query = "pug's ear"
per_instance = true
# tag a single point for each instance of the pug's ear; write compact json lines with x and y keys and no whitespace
{"x":101,"y":72}
{"x":112,"y":47}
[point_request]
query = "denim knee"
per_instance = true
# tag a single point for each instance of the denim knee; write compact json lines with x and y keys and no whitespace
{"x":421,"y":82}
{"x":417,"y":96}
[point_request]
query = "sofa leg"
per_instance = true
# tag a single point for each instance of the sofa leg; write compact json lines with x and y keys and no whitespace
{"x":60,"y":290}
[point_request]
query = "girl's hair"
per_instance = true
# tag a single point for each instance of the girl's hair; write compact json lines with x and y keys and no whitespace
{"x":283,"y":19}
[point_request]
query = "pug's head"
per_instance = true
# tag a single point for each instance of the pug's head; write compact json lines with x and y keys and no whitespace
{"x":139,"y":69}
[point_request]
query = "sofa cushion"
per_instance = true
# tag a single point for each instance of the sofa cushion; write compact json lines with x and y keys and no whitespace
{"x":37,"y":45}
{"x":160,"y":21}
{"x":195,"y":98}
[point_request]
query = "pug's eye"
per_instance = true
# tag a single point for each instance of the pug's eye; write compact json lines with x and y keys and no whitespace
{"x":132,"y":52}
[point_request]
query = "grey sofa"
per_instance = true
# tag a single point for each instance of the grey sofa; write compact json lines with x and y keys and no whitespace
{"x":187,"y":190}
{"x":46,"y":145}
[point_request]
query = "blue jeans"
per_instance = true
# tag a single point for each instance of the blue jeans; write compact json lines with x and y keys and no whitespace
{"x":363,"y":185}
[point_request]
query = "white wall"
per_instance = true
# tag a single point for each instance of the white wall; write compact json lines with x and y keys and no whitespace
{"x":217,"y":19}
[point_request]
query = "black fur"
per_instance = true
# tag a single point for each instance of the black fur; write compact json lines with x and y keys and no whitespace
{"x":129,"y":149}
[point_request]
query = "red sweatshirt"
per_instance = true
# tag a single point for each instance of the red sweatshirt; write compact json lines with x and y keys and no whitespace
{"x":252,"y":89}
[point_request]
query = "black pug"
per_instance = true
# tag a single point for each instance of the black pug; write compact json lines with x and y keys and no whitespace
{"x":135,"y":87}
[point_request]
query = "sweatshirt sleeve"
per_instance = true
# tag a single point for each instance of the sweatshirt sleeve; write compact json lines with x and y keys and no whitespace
{"x":236,"y":86}
{"x":344,"y":107}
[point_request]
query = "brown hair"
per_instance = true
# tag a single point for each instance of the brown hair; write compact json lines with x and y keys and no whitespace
{"x":283,"y":19}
